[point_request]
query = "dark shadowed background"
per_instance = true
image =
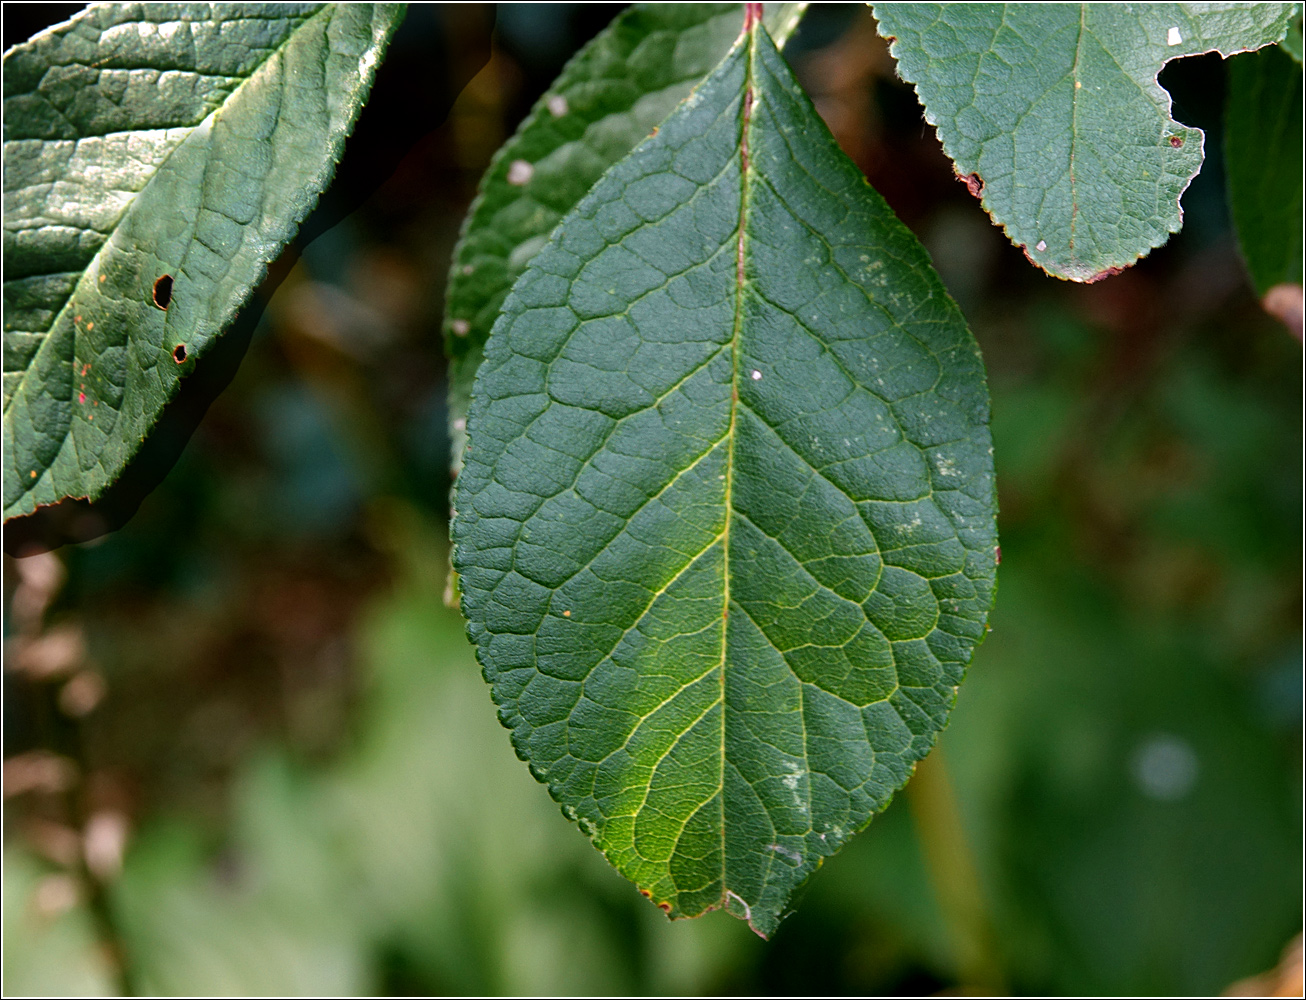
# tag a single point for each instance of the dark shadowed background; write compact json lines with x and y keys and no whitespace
{"x":247,"y":748}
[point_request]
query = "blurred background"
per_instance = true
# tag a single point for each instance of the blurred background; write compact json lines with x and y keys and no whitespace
{"x":247,"y":748}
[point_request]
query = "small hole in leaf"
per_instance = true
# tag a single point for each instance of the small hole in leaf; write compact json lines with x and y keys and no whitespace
{"x":163,"y":291}
{"x":179,"y":353}
{"x":1176,"y":141}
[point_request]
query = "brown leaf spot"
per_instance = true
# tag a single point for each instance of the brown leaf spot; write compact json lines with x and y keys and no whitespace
{"x":1102,"y":275}
{"x":179,"y":354}
{"x":163,"y":291}
{"x":664,"y":907}
{"x":1176,"y":141}
{"x":974,"y":184}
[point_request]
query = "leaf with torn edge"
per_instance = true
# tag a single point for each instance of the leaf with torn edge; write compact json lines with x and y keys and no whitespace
{"x":726,"y":522}
{"x":607,"y":98}
{"x":156,"y":158}
{"x":1053,"y":114}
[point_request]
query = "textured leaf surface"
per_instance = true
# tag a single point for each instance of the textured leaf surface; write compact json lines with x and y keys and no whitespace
{"x":1263,"y":160}
{"x":726,"y":523}
{"x":1056,"y":111}
{"x":144,"y":140}
{"x":608,"y":98}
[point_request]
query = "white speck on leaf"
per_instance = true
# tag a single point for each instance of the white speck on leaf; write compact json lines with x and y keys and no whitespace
{"x":460,"y":424}
{"x":1173,"y":37}
{"x":519,"y":172}
{"x":1042,"y":245}
{"x":460,"y":327}
{"x":557,"y":105}
{"x":756,"y":375}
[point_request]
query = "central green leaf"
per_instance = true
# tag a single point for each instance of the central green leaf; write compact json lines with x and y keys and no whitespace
{"x":726,"y":523}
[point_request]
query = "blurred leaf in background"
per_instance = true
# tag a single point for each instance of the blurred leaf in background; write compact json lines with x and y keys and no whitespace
{"x":255,"y":675}
{"x":49,"y":938}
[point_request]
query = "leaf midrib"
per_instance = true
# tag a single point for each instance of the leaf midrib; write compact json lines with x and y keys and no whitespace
{"x":751,"y":25}
{"x":1074,"y":128}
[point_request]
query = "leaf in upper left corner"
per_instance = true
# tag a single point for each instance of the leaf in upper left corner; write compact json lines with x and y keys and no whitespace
{"x":156,"y":159}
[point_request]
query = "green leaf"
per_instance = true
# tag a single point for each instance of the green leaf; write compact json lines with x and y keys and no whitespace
{"x":144,"y":141}
{"x":726,"y":524}
{"x":607,"y":98}
{"x":1053,"y":114}
{"x":1263,"y":158}
{"x":1292,"y":41}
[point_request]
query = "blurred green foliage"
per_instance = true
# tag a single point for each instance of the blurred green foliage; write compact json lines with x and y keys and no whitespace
{"x":319,"y":799}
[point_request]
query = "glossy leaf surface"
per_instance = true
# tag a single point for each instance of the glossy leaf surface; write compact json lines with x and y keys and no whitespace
{"x":726,"y":523}
{"x":609,"y":97}
{"x":1054,"y":114}
{"x":156,"y":159}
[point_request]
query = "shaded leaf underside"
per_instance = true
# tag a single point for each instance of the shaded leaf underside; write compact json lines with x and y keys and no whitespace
{"x":186,"y":140}
{"x":726,"y":523}
{"x":1056,"y":111}
{"x":1263,"y":161}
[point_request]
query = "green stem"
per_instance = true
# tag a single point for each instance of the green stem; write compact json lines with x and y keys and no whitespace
{"x":952,"y":871}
